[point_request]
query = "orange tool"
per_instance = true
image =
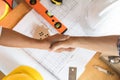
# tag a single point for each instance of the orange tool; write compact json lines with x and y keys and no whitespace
{"x":38,"y":7}
{"x":9,"y":2}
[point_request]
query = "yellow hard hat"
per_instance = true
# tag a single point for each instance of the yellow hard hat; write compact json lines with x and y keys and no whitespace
{"x":23,"y":73}
{"x":4,"y":9}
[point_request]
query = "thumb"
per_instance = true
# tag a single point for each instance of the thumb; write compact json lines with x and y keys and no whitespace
{"x":57,"y":46}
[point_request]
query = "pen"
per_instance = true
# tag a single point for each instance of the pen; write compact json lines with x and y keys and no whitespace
{"x":103,"y":70}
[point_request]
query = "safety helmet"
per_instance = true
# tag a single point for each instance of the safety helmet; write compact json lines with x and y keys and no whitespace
{"x":24,"y":73}
{"x":4,"y":9}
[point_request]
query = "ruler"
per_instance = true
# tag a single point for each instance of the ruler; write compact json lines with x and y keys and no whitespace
{"x":72,"y":73}
{"x":40,"y":9}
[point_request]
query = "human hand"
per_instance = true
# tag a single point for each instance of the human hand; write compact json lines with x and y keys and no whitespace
{"x":49,"y":41}
{"x":66,"y":45}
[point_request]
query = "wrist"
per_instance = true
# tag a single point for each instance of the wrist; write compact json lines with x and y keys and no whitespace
{"x":78,"y":42}
{"x":41,"y":44}
{"x":74,"y":42}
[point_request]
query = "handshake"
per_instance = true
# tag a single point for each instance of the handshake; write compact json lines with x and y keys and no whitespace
{"x":57,"y":43}
{"x":105,"y":44}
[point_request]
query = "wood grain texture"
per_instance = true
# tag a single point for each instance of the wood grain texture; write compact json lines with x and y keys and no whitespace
{"x":91,"y":73}
{"x":1,"y":75}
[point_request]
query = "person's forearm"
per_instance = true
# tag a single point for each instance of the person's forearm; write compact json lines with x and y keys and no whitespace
{"x":15,"y":39}
{"x":106,"y":44}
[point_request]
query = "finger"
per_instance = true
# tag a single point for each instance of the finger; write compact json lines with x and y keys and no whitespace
{"x":60,"y":50}
{"x":57,"y":46}
{"x":65,"y":49}
{"x":70,"y":49}
{"x":59,"y":37}
{"x":62,"y":37}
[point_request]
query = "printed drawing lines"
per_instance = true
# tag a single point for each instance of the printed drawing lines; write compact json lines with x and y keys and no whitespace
{"x":60,"y":11}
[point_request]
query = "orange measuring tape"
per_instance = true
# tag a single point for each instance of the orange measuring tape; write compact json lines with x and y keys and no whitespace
{"x":39,"y":8}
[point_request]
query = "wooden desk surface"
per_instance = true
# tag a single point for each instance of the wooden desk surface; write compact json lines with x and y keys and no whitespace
{"x":89,"y":74}
{"x":93,"y":74}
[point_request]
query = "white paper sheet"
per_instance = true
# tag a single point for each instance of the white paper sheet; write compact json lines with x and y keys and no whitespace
{"x":11,"y":58}
{"x":57,"y":64}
